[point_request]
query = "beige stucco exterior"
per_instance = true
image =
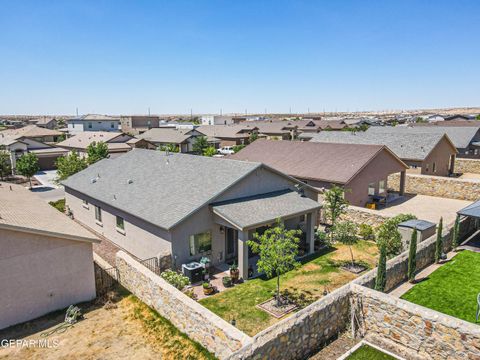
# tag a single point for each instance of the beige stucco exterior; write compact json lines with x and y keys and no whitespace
{"x":40,"y":274}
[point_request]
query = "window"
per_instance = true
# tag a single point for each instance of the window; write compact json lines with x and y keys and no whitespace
{"x":112,"y":125}
{"x":200,"y":243}
{"x":371,"y":189}
{"x":434,"y":167}
{"x":98,"y":214}
{"x":120,"y":223}
{"x":426,"y":167}
{"x":381,"y":187}
{"x":89,"y":125}
{"x":85,"y":204}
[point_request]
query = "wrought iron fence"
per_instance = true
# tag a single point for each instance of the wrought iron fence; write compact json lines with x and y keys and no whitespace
{"x":105,"y":279}
{"x":152,"y":264}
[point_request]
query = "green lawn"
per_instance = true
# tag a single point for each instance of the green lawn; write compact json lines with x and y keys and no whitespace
{"x":451,"y":289}
{"x":308,"y":281}
{"x":366,"y":352}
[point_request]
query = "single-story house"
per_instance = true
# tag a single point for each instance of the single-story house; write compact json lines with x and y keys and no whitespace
{"x":34,"y":132}
{"x":46,"y":122}
{"x":46,"y":259}
{"x":181,"y":138}
{"x":432,"y":154}
{"x":362,"y":170}
{"x":229,"y":135}
{"x":117,"y":143}
{"x":93,"y":122}
{"x":154,"y":203}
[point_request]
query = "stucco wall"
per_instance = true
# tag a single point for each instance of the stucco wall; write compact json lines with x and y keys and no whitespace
{"x":186,"y":314}
{"x":441,"y":157}
{"x":413,"y":331}
{"x":40,"y":274}
{"x":439,"y":186}
{"x":467,"y":166}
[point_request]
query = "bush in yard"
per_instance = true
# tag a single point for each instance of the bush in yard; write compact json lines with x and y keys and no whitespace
{"x":322,"y":238}
{"x":381,"y":280}
{"x":5,"y":164}
{"x":59,"y":205}
{"x":97,"y":151}
{"x":401,"y":218}
{"x":439,"y":242}
{"x":200,"y":145}
{"x":277,"y":248}
{"x":209,"y":151}
{"x":237,"y":148}
{"x":456,"y":233}
{"x":389,"y":238}
{"x":335,"y":205}
{"x":27,"y":166}
{"x":69,"y":165}
{"x":366,"y":232}
{"x":412,"y":257}
{"x":176,"y":279}
{"x":346,"y":233}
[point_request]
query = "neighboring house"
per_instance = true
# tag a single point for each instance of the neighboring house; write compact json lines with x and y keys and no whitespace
{"x":34,"y":132}
{"x":93,"y":122}
{"x":46,"y":259}
{"x":433,"y":154}
{"x":182,"y":138}
{"x":153,"y":203}
{"x":18,"y":142}
{"x":465,"y":138}
{"x":457,"y":118}
{"x":362,"y":170}
{"x":277,"y":130}
{"x":46,"y":122}
{"x":435,"y":118}
{"x":219,"y":120}
{"x":229,"y":135}
{"x":138,"y":124}
{"x":117,"y":143}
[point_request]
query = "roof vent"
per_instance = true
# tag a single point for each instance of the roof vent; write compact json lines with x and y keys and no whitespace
{"x":129,"y":181}
{"x":114,"y":197}
{"x":93,"y":181}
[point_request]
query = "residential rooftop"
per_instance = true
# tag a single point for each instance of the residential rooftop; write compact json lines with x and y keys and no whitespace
{"x":30,"y":131}
{"x":83,"y":139}
{"x":166,"y":135}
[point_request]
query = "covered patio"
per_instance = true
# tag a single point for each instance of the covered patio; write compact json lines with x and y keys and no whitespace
{"x":242,"y":217}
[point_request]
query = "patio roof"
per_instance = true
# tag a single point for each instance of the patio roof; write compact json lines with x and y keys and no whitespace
{"x":267,"y":208}
{"x":472,"y":210}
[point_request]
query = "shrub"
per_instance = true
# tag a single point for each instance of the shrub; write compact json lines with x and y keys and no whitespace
{"x":412,"y":257}
{"x":381,"y":279}
{"x":59,"y":205}
{"x":322,"y":238}
{"x":366,"y":232}
{"x":456,"y":233}
{"x":176,"y":279}
{"x":439,"y":242}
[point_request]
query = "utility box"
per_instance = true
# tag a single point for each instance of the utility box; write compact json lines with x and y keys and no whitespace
{"x":425,"y":229}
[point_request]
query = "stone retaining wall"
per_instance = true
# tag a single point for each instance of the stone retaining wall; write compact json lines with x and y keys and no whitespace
{"x":199,"y":323}
{"x":438,"y":186}
{"x":413,"y":331}
{"x":467,"y":166}
{"x":364,"y":216}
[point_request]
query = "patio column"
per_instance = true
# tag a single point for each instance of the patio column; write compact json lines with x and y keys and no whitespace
{"x":402,"y":182}
{"x":451,"y":169}
{"x":310,"y":234}
{"x":243,"y":254}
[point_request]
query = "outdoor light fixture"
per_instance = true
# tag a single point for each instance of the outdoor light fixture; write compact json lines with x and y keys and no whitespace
{"x":222,"y":229}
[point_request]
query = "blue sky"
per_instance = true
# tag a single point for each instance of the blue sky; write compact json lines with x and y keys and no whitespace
{"x":125,"y":56}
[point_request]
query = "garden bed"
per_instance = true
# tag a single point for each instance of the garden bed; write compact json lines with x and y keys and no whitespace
{"x":271,"y":307}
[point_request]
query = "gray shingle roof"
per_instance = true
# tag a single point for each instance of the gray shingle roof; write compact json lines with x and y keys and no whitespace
{"x":472,"y":210}
{"x":164,"y":189}
{"x":417,"y":224}
{"x":268,"y":207}
{"x":415,"y":146}
{"x":461,"y":137}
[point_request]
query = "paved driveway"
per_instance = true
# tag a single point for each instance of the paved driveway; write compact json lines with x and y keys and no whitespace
{"x":427,"y":208}
{"x":49,"y":190}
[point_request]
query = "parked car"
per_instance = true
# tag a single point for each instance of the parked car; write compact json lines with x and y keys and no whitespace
{"x":226,"y":150}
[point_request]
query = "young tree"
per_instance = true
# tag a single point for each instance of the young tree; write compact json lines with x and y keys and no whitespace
{"x":97,"y":151}
{"x":389,"y":238}
{"x":346,"y":233}
{"x":200,"y":145}
{"x":209,"y":151}
{"x":5,"y":164}
{"x":439,"y":242}
{"x":69,"y":165}
{"x":412,"y":257}
{"x":170,"y":148}
{"x":456,"y":233}
{"x":253,"y":136}
{"x":27,"y":165}
{"x":277,"y":248}
{"x":381,"y":280}
{"x":334,"y":205}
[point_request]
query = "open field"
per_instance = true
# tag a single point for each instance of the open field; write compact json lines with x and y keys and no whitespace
{"x":322,"y":272}
{"x":451,"y":289}
{"x":127,"y":329}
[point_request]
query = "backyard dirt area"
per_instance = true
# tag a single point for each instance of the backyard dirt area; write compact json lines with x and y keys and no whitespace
{"x":123,"y":329}
{"x":426,"y":208}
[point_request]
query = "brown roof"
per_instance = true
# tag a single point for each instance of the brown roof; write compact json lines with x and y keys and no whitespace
{"x":337,"y":163}
{"x":22,"y":210}
{"x":31,"y":131}
{"x":227,"y":131}
{"x":83,"y":139}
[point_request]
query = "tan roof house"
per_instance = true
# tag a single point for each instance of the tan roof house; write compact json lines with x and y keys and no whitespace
{"x":229,"y":135}
{"x":46,"y":259}
{"x":362,"y":170}
{"x":158,"y":204}
{"x":183,"y":139}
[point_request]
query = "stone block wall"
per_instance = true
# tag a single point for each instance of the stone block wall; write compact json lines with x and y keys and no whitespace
{"x":467,"y":166}
{"x":199,"y":323}
{"x":302,"y":333}
{"x":413,"y":331}
{"x":364,"y":216}
{"x":452,"y":188}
